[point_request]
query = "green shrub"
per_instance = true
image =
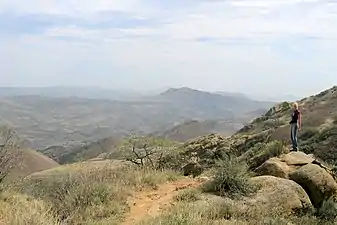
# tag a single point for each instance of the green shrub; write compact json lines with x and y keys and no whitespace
{"x":273,"y":123}
{"x":232,"y":179}
{"x":328,"y":210}
{"x":308,"y":133}
{"x":335,"y":120}
{"x":267,"y":151}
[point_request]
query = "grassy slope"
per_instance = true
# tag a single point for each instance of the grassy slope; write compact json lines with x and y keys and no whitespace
{"x":318,"y":134}
{"x":31,"y":161}
{"x":84,"y":193}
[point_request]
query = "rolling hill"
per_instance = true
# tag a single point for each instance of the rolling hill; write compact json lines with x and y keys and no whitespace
{"x":30,"y":161}
{"x":48,"y":121}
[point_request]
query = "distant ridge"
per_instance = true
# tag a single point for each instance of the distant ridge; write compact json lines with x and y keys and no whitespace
{"x":67,"y":121}
{"x":193,"y":129}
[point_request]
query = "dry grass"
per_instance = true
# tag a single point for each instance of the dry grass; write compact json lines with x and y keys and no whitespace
{"x":225,"y":213}
{"x":193,"y":214}
{"x":91,"y":195}
{"x":189,"y":195}
{"x":18,"y":209}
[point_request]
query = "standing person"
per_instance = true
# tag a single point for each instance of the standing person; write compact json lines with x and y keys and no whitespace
{"x":295,"y":126}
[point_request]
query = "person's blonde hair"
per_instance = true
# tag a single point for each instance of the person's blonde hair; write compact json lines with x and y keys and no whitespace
{"x":296,"y":105}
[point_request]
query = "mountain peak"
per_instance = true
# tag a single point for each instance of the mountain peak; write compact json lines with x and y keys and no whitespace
{"x":180,"y":90}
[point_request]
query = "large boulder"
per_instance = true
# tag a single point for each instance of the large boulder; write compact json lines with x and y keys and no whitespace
{"x":280,"y":194}
{"x":317,"y":182}
{"x":274,"y":167}
{"x":283,"y":165}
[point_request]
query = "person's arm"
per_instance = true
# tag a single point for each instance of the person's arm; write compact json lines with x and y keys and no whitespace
{"x":299,"y":120}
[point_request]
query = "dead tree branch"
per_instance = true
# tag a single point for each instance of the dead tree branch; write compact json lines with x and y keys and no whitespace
{"x":9,"y":152}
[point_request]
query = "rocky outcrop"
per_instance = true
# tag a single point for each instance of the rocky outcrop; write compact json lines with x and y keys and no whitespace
{"x":297,"y":159}
{"x":283,"y":165}
{"x":281,"y":194}
{"x":318,"y":183}
{"x":206,"y":150}
{"x":315,"y":178}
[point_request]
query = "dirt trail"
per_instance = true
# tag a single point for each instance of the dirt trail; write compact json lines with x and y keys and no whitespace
{"x":149,"y":203}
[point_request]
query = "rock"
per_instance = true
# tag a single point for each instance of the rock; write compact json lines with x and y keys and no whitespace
{"x":297,"y":158}
{"x":279,"y":194}
{"x":194,"y":169}
{"x":318,"y":183}
{"x":281,"y":166}
{"x":274,"y":167}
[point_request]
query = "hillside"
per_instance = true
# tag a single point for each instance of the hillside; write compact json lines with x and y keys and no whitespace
{"x":83,"y":152}
{"x":31,"y":161}
{"x":318,"y":134}
{"x":193,"y":129}
{"x":17,"y":161}
{"x":45,"y":121}
{"x":232,"y":104}
{"x":27,"y":162}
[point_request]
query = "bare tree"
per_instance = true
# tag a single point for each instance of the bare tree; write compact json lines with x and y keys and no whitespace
{"x":145,"y":156}
{"x":9,"y":151}
{"x":148,"y":153}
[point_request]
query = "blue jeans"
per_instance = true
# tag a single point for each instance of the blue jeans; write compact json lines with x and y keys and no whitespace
{"x":293,"y":135}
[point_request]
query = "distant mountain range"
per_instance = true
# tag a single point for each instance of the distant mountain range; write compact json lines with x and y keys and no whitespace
{"x":67,"y":92}
{"x":46,"y":117}
{"x":121,"y":95}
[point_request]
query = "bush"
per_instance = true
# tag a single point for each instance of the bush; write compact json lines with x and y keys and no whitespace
{"x":334,"y":119}
{"x":153,"y":153}
{"x":308,"y":133}
{"x":9,"y":152}
{"x":328,"y":210}
{"x":232,"y":179}
{"x":273,"y":123}
{"x":265,"y":152}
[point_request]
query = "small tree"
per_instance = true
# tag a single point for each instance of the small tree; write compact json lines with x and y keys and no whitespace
{"x":9,"y":151}
{"x":147,"y":152}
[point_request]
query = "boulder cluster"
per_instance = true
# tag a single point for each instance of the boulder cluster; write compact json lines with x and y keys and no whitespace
{"x":294,"y":181}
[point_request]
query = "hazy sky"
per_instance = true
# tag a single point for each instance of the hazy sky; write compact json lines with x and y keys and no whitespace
{"x":263,"y":46}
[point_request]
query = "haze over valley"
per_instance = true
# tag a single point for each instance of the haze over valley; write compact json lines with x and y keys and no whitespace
{"x":60,"y":116}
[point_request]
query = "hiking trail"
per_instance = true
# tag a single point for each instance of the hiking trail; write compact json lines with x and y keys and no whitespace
{"x":150,"y":203}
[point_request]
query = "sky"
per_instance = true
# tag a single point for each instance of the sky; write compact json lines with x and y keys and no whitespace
{"x":266,"y":47}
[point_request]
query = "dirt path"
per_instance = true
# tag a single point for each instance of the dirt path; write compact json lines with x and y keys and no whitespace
{"x":150,"y":203}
